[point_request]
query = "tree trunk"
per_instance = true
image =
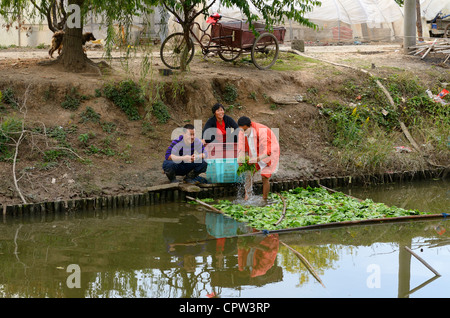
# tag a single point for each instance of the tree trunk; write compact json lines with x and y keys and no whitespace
{"x":73,"y":58}
{"x":419,"y":21}
{"x":187,"y":49}
{"x":186,"y":24}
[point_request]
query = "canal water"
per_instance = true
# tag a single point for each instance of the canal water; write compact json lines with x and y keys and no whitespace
{"x":182,"y":250}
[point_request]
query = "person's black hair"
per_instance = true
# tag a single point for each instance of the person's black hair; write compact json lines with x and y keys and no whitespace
{"x":244,"y":121}
{"x":188,"y":126}
{"x":216,"y":107}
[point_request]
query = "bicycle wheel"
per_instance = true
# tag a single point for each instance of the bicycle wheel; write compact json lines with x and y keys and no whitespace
{"x":265,"y":51}
{"x":172,"y":50}
{"x":229,"y":54}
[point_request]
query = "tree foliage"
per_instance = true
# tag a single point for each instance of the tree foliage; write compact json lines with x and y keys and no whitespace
{"x":270,"y":11}
{"x":185,"y":11}
{"x":119,"y":10}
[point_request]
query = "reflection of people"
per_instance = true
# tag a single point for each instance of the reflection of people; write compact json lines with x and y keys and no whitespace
{"x":215,"y":129}
{"x":186,"y":157}
{"x":220,"y":227}
{"x":260,"y":144}
{"x":259,"y":256}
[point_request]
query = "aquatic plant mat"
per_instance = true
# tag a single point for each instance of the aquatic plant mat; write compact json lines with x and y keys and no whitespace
{"x":303,"y":207}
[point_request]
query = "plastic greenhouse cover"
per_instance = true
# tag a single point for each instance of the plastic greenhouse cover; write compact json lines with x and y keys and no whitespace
{"x":430,"y":8}
{"x":347,"y":11}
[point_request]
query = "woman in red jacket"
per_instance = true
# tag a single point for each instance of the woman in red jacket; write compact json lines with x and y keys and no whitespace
{"x":260,"y":144}
{"x":220,"y":134}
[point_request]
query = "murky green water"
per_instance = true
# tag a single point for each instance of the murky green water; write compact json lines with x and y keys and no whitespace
{"x":179,"y":250}
{"x":428,"y":195}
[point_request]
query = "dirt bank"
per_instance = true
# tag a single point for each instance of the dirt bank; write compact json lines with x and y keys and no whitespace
{"x":71,"y":152}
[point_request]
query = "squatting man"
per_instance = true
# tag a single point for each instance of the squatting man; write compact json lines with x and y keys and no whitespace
{"x":186,"y":156}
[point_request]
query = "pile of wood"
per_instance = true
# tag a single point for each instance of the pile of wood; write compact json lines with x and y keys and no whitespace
{"x":441,"y":46}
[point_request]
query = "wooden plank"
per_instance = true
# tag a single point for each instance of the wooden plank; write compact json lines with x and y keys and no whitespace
{"x":429,"y":49}
{"x":420,"y":51}
{"x":163,"y":187}
{"x":446,"y":59}
{"x":186,"y":187}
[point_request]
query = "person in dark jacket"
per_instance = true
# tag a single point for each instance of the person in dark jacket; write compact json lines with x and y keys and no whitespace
{"x":218,"y":134}
{"x":215,"y":129}
{"x":186,"y":157}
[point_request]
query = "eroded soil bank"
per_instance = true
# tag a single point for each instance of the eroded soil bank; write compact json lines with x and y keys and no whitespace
{"x":78,"y":143}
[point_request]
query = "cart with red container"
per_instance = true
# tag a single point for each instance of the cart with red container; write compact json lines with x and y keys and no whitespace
{"x":228,"y":39}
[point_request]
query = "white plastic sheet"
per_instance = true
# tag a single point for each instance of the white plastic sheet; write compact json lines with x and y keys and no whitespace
{"x":357,"y":11}
{"x":347,"y":11}
{"x":430,"y":8}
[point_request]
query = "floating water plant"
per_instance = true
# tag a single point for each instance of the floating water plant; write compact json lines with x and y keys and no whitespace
{"x":308,"y":207}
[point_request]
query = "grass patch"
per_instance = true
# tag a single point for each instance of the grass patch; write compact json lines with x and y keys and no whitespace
{"x":365,"y":127}
{"x":230,"y":93}
{"x":292,"y":62}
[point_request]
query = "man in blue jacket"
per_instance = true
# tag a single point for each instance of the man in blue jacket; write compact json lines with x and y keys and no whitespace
{"x":186,"y":157}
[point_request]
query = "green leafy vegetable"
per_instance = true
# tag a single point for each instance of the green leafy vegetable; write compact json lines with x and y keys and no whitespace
{"x":246,"y":166}
{"x":307,"y":207}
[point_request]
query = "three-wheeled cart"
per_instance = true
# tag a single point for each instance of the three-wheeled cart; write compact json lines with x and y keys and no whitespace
{"x":229,"y":40}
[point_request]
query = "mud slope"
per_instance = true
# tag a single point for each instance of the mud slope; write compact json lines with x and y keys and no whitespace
{"x":67,"y":153}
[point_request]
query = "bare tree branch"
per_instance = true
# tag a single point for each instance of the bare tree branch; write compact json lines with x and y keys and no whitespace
{"x":23,"y":109}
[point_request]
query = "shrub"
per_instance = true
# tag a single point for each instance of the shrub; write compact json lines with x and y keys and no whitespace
{"x":128,"y":96}
{"x":160,"y":111}
{"x":230,"y":93}
{"x":9,"y":98}
{"x":90,"y":115}
{"x":72,"y":100}
{"x":9,"y":128}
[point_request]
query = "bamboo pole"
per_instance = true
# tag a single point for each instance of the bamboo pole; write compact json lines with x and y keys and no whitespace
{"x":429,"y":49}
{"x":305,"y":262}
{"x":334,"y":191}
{"x":205,"y":204}
{"x":422,"y":261}
{"x":284,"y":210}
{"x":446,"y":59}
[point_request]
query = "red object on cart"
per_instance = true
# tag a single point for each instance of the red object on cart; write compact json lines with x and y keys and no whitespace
{"x":213,"y":19}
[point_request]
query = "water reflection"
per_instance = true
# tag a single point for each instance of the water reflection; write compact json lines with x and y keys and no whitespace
{"x":431,"y":196}
{"x":180,"y":250}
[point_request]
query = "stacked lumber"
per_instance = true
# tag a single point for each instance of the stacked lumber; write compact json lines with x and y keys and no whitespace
{"x":437,"y":47}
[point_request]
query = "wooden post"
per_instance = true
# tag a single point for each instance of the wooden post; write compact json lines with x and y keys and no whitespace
{"x":409,"y":25}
